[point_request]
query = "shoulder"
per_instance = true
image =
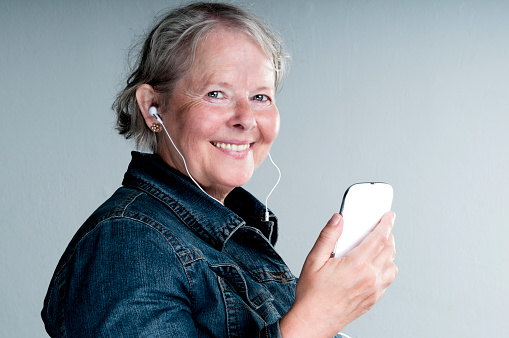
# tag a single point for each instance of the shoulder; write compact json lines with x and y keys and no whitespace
{"x":117,"y":253}
{"x":130,"y":223}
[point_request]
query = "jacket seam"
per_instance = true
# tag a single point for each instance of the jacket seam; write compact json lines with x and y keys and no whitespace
{"x":171,"y":203}
{"x":165,"y":236}
{"x":113,"y":217}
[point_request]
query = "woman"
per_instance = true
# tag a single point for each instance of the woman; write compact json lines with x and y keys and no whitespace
{"x":180,"y":250}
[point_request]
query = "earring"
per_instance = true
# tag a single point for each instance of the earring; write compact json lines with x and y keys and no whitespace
{"x":156,"y":127}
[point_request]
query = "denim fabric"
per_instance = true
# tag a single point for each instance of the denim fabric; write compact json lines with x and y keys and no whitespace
{"x":161,"y":259}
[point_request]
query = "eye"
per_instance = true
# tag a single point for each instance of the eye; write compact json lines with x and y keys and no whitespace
{"x":215,"y":94}
{"x":261,"y":98}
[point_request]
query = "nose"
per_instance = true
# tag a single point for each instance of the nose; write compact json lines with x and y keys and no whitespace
{"x":243,"y":117}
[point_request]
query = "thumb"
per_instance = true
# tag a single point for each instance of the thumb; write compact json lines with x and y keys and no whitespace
{"x":324,"y":245}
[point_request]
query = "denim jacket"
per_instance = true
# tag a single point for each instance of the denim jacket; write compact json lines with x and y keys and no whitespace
{"x":161,"y":259}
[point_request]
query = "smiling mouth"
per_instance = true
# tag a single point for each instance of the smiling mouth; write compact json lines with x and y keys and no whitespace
{"x":232,"y":147}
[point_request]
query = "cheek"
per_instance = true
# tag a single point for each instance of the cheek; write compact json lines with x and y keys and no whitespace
{"x":276,"y":126}
{"x":194,"y":122}
{"x":270,"y":127}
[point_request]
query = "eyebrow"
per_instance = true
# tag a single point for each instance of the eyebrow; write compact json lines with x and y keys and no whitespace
{"x":264,"y":88}
{"x":228,"y":85}
{"x":205,"y":82}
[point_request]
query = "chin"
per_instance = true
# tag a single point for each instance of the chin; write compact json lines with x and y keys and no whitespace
{"x":236,"y":180}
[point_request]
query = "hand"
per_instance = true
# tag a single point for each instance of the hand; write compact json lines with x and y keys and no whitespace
{"x":332,"y":292}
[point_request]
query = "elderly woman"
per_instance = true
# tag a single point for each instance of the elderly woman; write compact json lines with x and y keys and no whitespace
{"x":180,"y":250}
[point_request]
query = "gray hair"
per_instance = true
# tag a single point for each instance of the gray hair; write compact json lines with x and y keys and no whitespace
{"x":168,"y":53}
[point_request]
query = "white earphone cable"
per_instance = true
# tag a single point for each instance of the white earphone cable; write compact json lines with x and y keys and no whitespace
{"x":183,"y":159}
{"x":274,"y":187}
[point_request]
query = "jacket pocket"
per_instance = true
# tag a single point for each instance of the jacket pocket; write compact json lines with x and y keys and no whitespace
{"x":249,"y":305}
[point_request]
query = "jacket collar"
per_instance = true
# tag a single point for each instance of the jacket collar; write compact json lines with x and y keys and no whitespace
{"x":212,"y":221}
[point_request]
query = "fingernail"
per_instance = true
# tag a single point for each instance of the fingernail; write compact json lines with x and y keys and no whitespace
{"x":334,"y":220}
{"x":393,"y":216}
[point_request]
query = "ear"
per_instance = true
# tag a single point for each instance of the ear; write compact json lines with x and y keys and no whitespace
{"x":146,"y":98}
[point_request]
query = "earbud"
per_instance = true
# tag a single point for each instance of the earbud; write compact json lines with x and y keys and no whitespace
{"x":153,"y":111}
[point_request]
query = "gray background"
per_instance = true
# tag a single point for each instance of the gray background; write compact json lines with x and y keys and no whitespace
{"x":414,"y":93}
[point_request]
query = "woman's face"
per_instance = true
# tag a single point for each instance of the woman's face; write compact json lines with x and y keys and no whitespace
{"x":222,"y":115}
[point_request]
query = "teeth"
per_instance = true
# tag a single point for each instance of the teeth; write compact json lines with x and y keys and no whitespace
{"x":232,"y":147}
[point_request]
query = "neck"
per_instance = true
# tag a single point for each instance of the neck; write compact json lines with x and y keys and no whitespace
{"x":217,"y":193}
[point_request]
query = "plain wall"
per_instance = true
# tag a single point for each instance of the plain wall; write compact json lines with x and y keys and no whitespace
{"x":414,"y":93}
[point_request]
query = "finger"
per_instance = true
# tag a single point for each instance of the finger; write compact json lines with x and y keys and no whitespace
{"x":324,"y":245}
{"x":389,"y":249}
{"x":387,"y":255}
{"x":386,"y":224}
{"x":389,"y":275}
{"x":377,"y":239}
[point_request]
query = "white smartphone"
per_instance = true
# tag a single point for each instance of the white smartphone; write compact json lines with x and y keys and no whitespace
{"x":363,"y":206}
